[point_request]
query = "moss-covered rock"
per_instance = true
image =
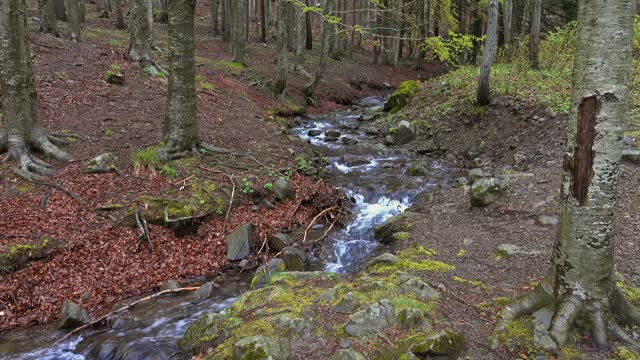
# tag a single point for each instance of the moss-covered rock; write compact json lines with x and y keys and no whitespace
{"x":400,"y":223}
{"x":208,"y":331}
{"x":260,"y":347}
{"x":401,"y":97}
{"x":14,"y":257}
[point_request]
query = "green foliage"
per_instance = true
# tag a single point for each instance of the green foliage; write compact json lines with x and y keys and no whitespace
{"x":451,"y":50}
{"x":206,"y":86}
{"x":200,"y":77}
{"x":113,"y":42}
{"x":246,"y":186}
{"x":147,"y":157}
{"x":149,"y":70}
{"x":116,"y":68}
{"x":301,"y":163}
{"x":268,"y":186}
{"x":107,"y":132}
{"x":168,"y":171}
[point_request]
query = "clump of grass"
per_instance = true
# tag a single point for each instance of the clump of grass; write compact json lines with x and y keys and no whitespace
{"x":113,"y":42}
{"x":206,"y":86}
{"x":146,"y":158}
{"x":168,"y":171}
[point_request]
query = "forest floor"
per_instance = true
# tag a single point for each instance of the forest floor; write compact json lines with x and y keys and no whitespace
{"x":518,"y":133}
{"x":96,"y":262}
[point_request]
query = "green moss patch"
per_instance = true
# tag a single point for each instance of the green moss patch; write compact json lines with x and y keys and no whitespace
{"x":14,"y":257}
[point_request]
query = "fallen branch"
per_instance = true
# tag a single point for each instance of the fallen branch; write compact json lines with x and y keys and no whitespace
{"x":315,"y":219}
{"x":128,"y":306}
{"x":325,"y":233}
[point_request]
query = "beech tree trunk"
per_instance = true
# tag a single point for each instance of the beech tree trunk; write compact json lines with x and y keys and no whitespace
{"x":309,"y":29}
{"x":580,"y":284}
{"x":507,"y":19}
{"x":238,"y":35}
{"x":214,"y":17}
{"x":180,"y":125}
{"x":282,"y":50}
{"x":301,"y":38}
{"x":119,"y":15}
{"x":73,"y":17}
{"x":20,"y":129}
{"x":534,"y":53}
{"x":48,"y":20}
{"x":139,"y":46}
{"x":327,"y":32}
{"x":490,"y":47}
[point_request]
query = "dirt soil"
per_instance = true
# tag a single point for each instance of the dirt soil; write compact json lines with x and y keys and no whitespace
{"x":95,"y":262}
{"x":530,"y":141}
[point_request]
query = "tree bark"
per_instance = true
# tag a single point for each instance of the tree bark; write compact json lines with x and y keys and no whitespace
{"x":282,"y":50}
{"x":301,"y":38}
{"x":48,"y":20}
{"x":534,"y":52}
{"x":119,"y":15}
{"x":21,"y":130}
{"x":580,"y":283}
{"x":61,"y":13}
{"x":507,"y":19}
{"x":180,"y":125}
{"x":490,"y":47}
{"x":327,"y":32}
{"x":309,"y":29}
{"x":139,"y":47}
{"x":263,"y":22}
{"x":239,"y":38}
{"x":214,"y":17}
{"x":73,"y":16}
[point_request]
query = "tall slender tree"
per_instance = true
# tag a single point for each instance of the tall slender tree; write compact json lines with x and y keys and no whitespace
{"x":327,"y":32}
{"x":282,"y":51}
{"x":490,"y":47}
{"x":214,"y":17}
{"x":301,"y":39}
{"x":534,"y":52}
{"x":48,"y":20}
{"x":507,"y":20}
{"x":20,"y":128}
{"x":73,"y":16}
{"x":580,"y":285}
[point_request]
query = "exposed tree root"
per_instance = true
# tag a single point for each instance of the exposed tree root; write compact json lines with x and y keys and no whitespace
{"x":601,"y":318}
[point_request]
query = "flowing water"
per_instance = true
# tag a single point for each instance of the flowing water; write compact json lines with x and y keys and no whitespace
{"x":371,"y":175}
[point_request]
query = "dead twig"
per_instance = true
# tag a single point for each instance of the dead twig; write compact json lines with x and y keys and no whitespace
{"x":128,"y":306}
{"x":315,"y":219}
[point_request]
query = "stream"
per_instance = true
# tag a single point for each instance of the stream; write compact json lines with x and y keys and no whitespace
{"x":372,"y":177}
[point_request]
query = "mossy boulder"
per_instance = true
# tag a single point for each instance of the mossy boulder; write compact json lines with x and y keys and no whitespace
{"x":102,"y":163}
{"x":396,"y":224}
{"x":486,"y":191}
{"x":208,"y":331}
{"x":442,"y":345}
{"x":14,"y":257}
{"x":260,"y":347}
{"x":402,"y":96}
{"x":72,"y":315}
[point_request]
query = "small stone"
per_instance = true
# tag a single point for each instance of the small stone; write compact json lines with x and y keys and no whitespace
{"x":314,"y":132}
{"x":409,"y":318}
{"x":239,"y":242}
{"x":477,"y":173}
{"x":547,"y":220}
{"x":467,"y":242}
{"x":205,"y":291}
{"x":349,"y":354}
{"x":310,"y":171}
{"x":384,"y":259}
{"x":294,"y":258}
{"x":508,"y":251}
{"x":348,"y":141}
{"x":353,"y":161}
{"x":345,"y":343}
{"x":102,"y":163}
{"x":485,"y":192}
{"x":327,"y":296}
{"x":632,"y":156}
{"x":260,"y":347}
{"x":114,"y":78}
{"x":418,"y":169}
{"x":377,"y":316}
{"x":278,"y":242}
{"x":72,"y":315}
{"x":403,"y":133}
{"x":283,"y":190}
{"x":335,"y":134}
{"x":442,"y":345}
{"x":451,"y":159}
{"x":348,"y":304}
{"x":170,"y":285}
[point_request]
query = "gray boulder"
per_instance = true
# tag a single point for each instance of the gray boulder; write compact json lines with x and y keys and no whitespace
{"x":485,"y":192}
{"x":417,"y":169}
{"x":260,"y":347}
{"x":209,"y":330}
{"x":377,"y":316}
{"x":441,"y":345}
{"x":396,"y":224}
{"x":72,"y":315}
{"x":314,"y":132}
{"x":239,"y":242}
{"x":170,"y":285}
{"x":417,"y":287}
{"x":283,"y":190}
{"x":476,"y":174}
{"x":384,"y":259}
{"x":507,"y":251}
{"x":410,"y":318}
{"x":102,"y":163}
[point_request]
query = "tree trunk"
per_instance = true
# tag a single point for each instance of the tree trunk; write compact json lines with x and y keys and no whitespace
{"x":21,"y":130}
{"x":119,"y":15}
{"x":48,"y":21}
{"x":239,"y":39}
{"x":298,"y":62}
{"x":490,"y":47}
{"x":507,"y":19}
{"x":61,"y":13}
{"x":139,"y":47}
{"x":73,"y":16}
{"x":280,"y":82}
{"x":525,"y":17}
{"x":327,"y":31}
{"x":101,"y":9}
{"x":150,"y":22}
{"x":180,"y":125}
{"x":214,"y":17}
{"x":82,"y":11}
{"x":580,"y":283}
{"x":308,"y":29}
{"x":534,"y":53}
{"x":263,"y":22}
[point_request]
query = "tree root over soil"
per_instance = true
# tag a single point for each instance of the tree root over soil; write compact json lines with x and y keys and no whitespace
{"x":602,"y":318}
